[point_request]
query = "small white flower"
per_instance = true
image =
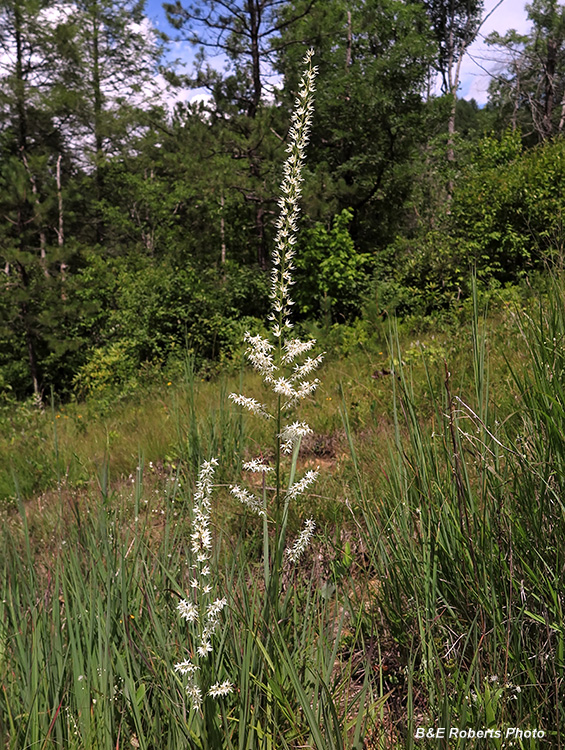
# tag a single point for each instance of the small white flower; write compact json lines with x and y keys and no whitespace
{"x":305,"y":389}
{"x":294,"y":348}
{"x":259,"y":354}
{"x":208,"y":631}
{"x":213,"y":610}
{"x":256,"y":466}
{"x":201,"y":539}
{"x":186,"y":667}
{"x":188,"y":610}
{"x":204,"y":649}
{"x":251,"y":404}
{"x":284,"y":387}
{"x":291,"y":434}
{"x":309,"y":364}
{"x":299,"y":487}
{"x":195,"y":695}
{"x":220,"y":690}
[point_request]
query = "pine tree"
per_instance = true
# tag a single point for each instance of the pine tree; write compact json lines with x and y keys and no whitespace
{"x":26,"y":138}
{"x":247,"y":35}
{"x":373,"y":58}
{"x":76,"y":82}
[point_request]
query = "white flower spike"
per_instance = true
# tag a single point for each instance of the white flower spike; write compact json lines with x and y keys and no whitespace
{"x":295,"y":552}
{"x":202,"y":613}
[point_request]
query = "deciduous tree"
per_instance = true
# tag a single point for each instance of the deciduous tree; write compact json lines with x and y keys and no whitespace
{"x":530,"y":90}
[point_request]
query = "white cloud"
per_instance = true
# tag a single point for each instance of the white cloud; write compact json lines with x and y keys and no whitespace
{"x":481,"y":61}
{"x":201,"y":98}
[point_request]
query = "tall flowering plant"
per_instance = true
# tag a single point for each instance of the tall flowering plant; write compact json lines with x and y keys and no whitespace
{"x":286,"y":367}
{"x":283,"y":360}
{"x":200,"y":609}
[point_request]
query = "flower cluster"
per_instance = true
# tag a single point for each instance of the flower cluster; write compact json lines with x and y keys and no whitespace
{"x":294,"y":553}
{"x":281,"y":278}
{"x":291,"y":434}
{"x":283,"y":365}
{"x":302,"y":485}
{"x":202,"y":610}
{"x":248,"y":498}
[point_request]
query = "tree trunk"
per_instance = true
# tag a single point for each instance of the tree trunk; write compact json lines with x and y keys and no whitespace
{"x":42,"y":238}
{"x":549,"y":98}
{"x":451,"y":128}
{"x":32,"y":359}
{"x":255,"y":25}
{"x":28,"y":332}
{"x":514,"y":120}
{"x":451,"y":143}
{"x":97,"y":91}
{"x":98,"y":138}
{"x":61,"y":229}
{"x":349,"y":41}
{"x":20,"y":83}
{"x":222,"y":229}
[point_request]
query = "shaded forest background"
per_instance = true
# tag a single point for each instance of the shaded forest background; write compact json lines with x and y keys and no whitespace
{"x":131,"y":232}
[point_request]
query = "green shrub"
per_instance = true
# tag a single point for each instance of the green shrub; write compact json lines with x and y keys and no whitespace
{"x":507,"y":211}
{"x":156,"y":313}
{"x":331,"y":276}
{"x":109,"y":369}
{"x":504,"y":222}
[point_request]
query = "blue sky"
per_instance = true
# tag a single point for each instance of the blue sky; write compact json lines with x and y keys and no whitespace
{"x":156,"y":14}
{"x":474,"y":79}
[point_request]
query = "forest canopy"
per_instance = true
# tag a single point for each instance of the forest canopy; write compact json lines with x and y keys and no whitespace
{"x":132,"y":231}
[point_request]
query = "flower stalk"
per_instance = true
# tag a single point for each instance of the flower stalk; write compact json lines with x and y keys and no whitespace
{"x":286,"y":367}
{"x":282,"y":359}
{"x":201,"y":611}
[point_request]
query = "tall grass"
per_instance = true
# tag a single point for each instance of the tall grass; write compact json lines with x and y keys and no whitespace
{"x":90,"y":636}
{"x":468,"y":544}
{"x":83,"y":663}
